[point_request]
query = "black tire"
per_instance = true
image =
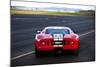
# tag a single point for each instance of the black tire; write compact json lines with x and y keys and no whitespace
{"x":76,"y":52}
{"x":37,"y":53}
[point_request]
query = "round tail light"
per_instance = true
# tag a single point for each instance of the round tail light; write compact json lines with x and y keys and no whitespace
{"x":43,"y":43}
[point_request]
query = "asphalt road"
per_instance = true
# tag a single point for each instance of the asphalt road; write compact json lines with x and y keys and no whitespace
{"x":23,"y":30}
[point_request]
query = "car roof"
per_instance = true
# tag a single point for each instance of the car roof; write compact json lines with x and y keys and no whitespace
{"x":56,"y":27}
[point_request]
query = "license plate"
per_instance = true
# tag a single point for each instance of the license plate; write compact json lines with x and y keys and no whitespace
{"x":57,"y":45}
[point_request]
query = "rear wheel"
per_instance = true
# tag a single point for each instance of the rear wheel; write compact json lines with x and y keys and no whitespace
{"x":37,"y":53}
{"x":76,"y":52}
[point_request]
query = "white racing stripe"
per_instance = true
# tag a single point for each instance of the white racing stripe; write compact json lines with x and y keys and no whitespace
{"x":14,"y":58}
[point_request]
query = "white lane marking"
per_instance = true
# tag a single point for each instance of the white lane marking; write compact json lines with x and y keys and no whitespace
{"x":34,"y":51}
{"x":22,"y":55}
{"x":86,"y":33}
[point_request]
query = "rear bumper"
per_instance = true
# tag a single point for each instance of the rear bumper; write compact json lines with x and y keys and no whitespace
{"x":58,"y":51}
{"x":51,"y":48}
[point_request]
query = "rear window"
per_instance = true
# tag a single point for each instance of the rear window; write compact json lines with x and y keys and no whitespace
{"x":57,"y":31}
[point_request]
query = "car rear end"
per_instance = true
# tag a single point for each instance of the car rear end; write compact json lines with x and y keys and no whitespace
{"x":57,"y":42}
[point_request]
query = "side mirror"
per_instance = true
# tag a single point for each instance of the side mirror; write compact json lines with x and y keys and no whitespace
{"x":38,"y":31}
{"x":75,"y":32}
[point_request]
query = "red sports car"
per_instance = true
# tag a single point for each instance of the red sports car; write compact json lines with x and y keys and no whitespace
{"x":61,"y":39}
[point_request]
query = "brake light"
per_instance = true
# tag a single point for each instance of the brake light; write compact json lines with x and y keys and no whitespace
{"x":70,"y":42}
{"x":43,"y":43}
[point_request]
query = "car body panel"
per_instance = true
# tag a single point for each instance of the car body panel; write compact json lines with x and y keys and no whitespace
{"x":49,"y":42}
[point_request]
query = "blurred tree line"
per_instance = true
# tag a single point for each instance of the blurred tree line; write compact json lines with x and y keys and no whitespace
{"x":88,"y":12}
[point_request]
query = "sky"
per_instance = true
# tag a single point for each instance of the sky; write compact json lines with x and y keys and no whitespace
{"x":46,"y":5}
